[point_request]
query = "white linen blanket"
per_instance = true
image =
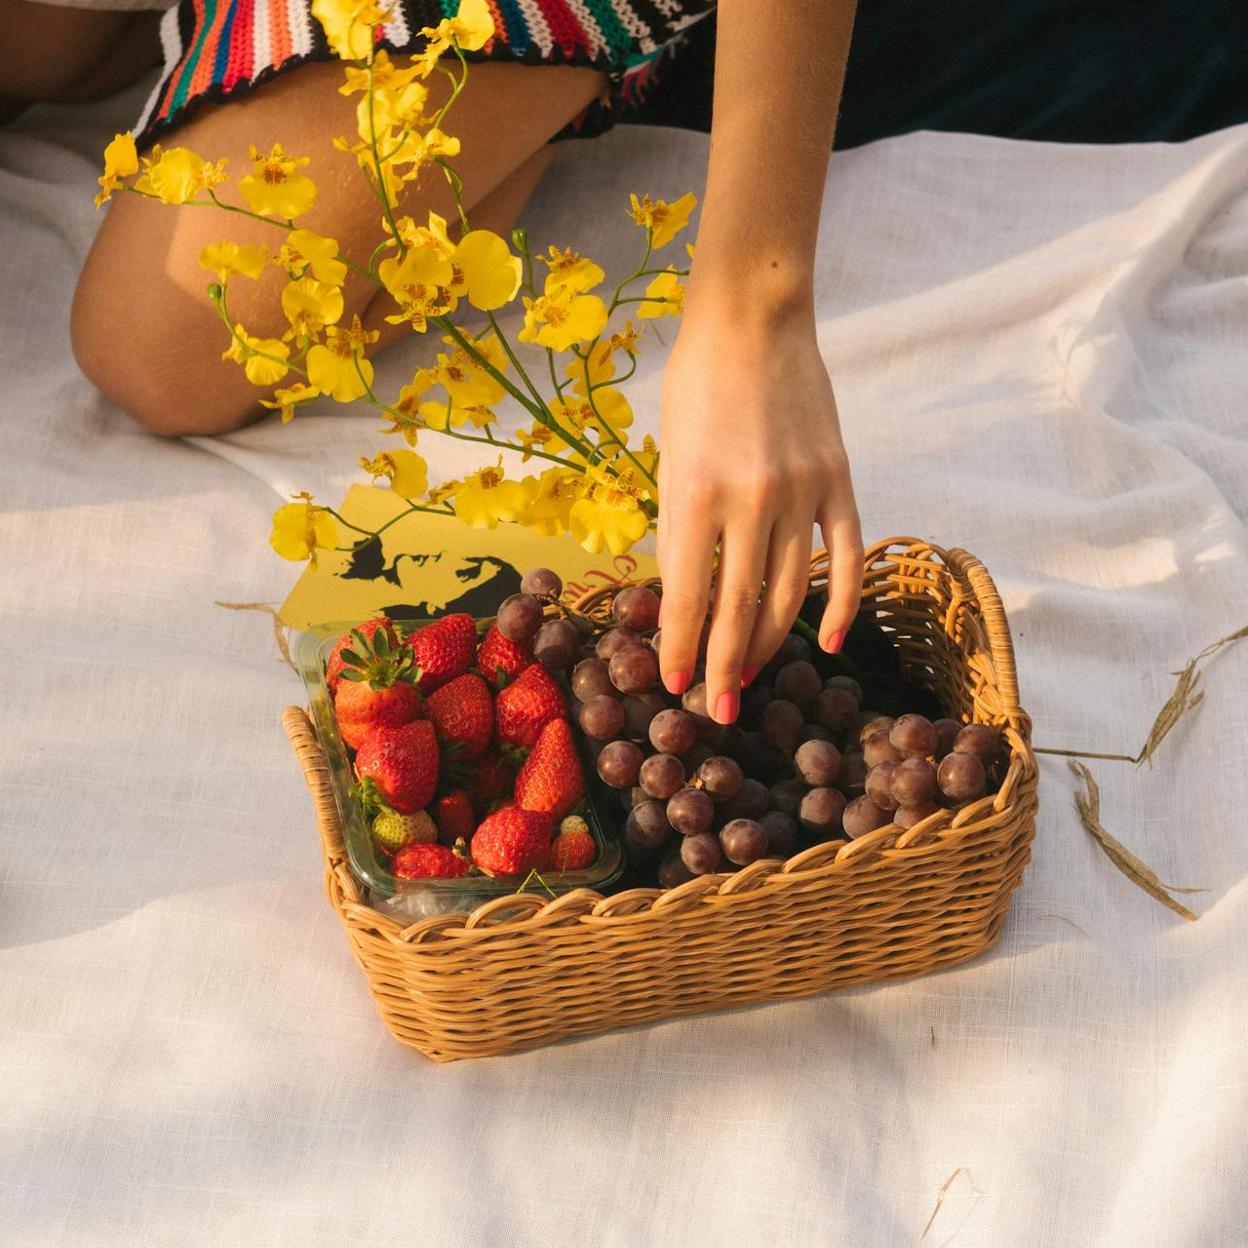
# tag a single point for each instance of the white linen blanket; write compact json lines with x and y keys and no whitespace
{"x":1041,"y":354}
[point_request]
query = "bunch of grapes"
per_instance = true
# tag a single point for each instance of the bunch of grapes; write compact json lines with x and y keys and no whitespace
{"x":805,"y":763}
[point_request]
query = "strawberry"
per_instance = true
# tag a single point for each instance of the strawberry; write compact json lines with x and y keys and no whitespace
{"x":527,"y":705}
{"x":454,"y":816}
{"x":375,"y":687}
{"x":333,"y":668}
{"x":511,"y":842}
{"x":394,"y":831}
{"x":492,"y":777}
{"x":551,"y":780}
{"x":402,"y":764}
{"x":574,"y":848}
{"x":463,"y":713}
{"x":443,"y":650}
{"x":422,"y":862}
{"x":500,"y":660}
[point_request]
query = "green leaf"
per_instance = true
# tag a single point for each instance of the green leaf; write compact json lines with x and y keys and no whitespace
{"x":354,"y":673}
{"x":351,"y":659}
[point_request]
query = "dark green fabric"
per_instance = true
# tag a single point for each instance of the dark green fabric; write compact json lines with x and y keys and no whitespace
{"x":1102,"y":71}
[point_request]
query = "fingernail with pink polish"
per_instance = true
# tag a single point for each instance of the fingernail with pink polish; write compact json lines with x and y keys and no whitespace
{"x":747,"y":675}
{"x":834,"y":641}
{"x":726,"y":708}
{"x":677,"y":682}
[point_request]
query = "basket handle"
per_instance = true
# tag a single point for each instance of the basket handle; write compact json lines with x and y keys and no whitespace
{"x":302,"y":738}
{"x":970,"y":570}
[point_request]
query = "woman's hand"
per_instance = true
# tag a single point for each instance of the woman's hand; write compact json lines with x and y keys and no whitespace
{"x":752,"y":460}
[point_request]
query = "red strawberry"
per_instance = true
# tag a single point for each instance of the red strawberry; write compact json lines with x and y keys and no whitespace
{"x":551,"y":780}
{"x":527,"y":705}
{"x":574,"y":848}
{"x":419,"y":862}
{"x":493,"y":776}
{"x":463,"y":713}
{"x":500,"y":660}
{"x":402,"y":763}
{"x":444,"y":649}
{"x":454,"y":816}
{"x":375,"y":687}
{"x":511,"y":842}
{"x":333,"y":668}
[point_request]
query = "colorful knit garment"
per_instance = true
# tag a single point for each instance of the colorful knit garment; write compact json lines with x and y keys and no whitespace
{"x":215,"y":49}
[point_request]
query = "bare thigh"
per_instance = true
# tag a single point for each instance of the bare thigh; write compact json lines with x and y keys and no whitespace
{"x":142,"y":327}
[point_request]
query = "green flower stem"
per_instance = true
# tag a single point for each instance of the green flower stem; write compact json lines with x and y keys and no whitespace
{"x":372,"y":143}
{"x":615,"y":437}
{"x":554,"y":375}
{"x":645,"y":299}
{"x":224,"y":313}
{"x":632,"y":277}
{"x":372,"y":534}
{"x":457,"y":189}
{"x":457,"y":86}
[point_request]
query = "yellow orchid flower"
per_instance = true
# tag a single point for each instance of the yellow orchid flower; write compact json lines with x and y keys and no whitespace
{"x":600,"y":365}
{"x":442,"y":416}
{"x":472,"y":27}
{"x":225,"y":259}
{"x":121,"y":160}
{"x":177,"y":175}
{"x":287,"y":399}
{"x":665,"y":296}
{"x":559,"y":319}
{"x":407,"y":473}
{"x":551,"y":498}
{"x":301,"y":528}
{"x":348,"y":25}
{"x":468,"y":384}
{"x":263,"y":359}
{"x":276,"y":188}
{"x":491,"y":273}
{"x":610,"y":514}
{"x":309,"y":306}
{"x":663,"y":219}
{"x":305,"y":249}
{"x":338,"y":367}
{"x":419,"y":150}
{"x":418,"y":284}
{"x":484,"y":498}
{"x":575,"y":272}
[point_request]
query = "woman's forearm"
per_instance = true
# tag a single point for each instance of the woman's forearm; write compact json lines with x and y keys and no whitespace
{"x":779,"y":69}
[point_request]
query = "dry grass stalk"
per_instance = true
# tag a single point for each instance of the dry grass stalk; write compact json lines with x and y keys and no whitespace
{"x":279,"y":629}
{"x":940,"y":1200}
{"x":1139,"y":873}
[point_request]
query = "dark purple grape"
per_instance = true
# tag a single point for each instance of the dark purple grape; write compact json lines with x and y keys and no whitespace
{"x":871,"y":722}
{"x":619,"y":763}
{"x":757,"y":756}
{"x":961,"y":777}
{"x":661,"y":775}
{"x":781,"y":832}
{"x":836,"y":709}
{"x":793,"y":649}
{"x":753,"y":701}
{"x":946,"y":733}
{"x":748,"y":802}
{"x":821,"y":811}
{"x":519,"y":617}
{"x":721,"y":777}
{"x":601,"y":717}
{"x":695,"y":757}
{"x":913,"y":736}
{"x":980,"y":740}
{"x":556,"y":645}
{"x":908,"y":816}
{"x":639,"y":712}
{"x":616,"y":639}
{"x":701,"y":853}
{"x":672,"y":731}
{"x":861,"y":816}
{"x":879,"y":782}
{"x":877,"y":748}
{"x":799,"y":683}
{"x":693,"y":701}
{"x":786,"y":796}
{"x":647,"y":825}
{"x":637,"y":608}
{"x":690,"y":811}
{"x":541,"y":581}
{"x":590,"y":678}
{"x":634,"y":669}
{"x":782,"y":721}
{"x":818,"y":762}
{"x":743,"y":841}
{"x":913,"y":782}
{"x":673,"y":872}
{"x":815,"y":732}
{"x":849,"y":685}
{"x":853,"y":774}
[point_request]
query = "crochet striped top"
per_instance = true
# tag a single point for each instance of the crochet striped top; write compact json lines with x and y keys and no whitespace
{"x":216,"y":49}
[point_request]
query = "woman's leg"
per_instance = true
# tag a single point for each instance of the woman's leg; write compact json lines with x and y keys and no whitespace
{"x":142,"y":327}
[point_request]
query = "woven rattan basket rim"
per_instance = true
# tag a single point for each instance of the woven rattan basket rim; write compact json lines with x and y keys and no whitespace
{"x":944,"y":830}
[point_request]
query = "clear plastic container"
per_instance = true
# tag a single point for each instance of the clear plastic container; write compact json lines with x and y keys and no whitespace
{"x":416,"y":899}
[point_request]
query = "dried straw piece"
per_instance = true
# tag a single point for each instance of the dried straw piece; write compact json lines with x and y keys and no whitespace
{"x":1139,"y":873}
{"x":940,"y":1200}
{"x":279,"y":629}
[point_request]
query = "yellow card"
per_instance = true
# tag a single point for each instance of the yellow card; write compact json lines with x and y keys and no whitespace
{"x":425,"y":565}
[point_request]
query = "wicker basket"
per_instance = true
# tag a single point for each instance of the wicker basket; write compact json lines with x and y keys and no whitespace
{"x":520,"y":972}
